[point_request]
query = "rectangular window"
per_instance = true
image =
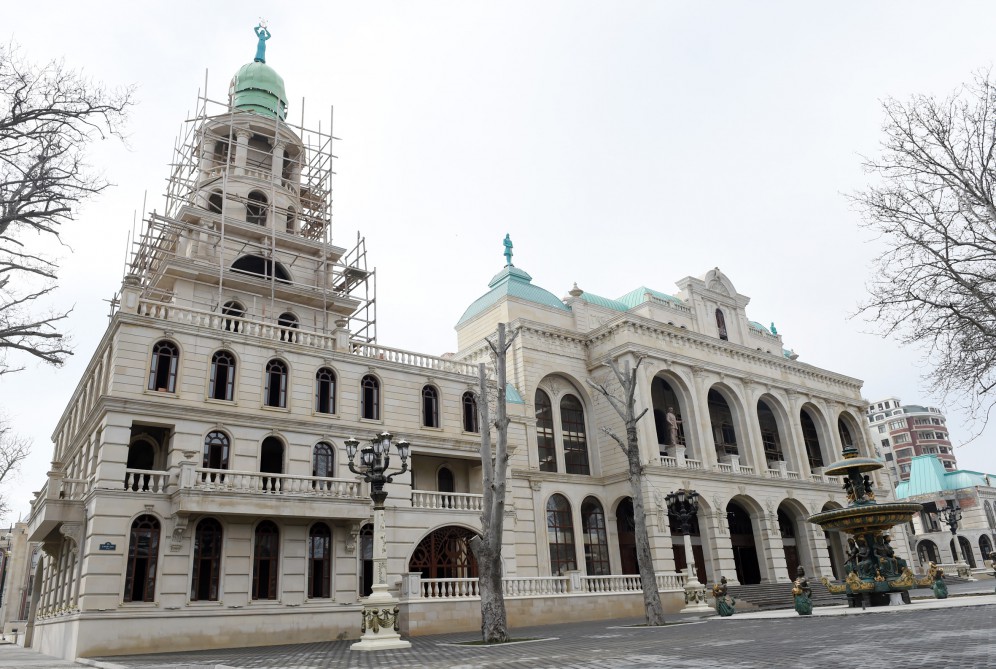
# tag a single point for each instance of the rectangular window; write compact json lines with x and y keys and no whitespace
{"x":901,"y":438}
{"x":881,"y":429}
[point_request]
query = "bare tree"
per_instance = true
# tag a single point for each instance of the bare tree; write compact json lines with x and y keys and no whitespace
{"x":13,"y":450}
{"x":49,"y":116}
{"x":626,"y":408}
{"x":933,"y":205}
{"x":494,"y":469}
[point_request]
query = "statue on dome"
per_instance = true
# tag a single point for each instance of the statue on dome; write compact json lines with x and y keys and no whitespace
{"x":773,"y":330}
{"x":263,"y":34}
{"x":508,"y":250}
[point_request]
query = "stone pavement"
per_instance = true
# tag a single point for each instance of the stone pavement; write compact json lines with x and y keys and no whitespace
{"x":908,"y":637}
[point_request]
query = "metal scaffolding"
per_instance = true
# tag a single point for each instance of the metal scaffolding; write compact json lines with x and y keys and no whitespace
{"x":192,"y":229}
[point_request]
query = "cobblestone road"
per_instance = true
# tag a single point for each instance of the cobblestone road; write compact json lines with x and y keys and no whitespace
{"x":959,"y":637}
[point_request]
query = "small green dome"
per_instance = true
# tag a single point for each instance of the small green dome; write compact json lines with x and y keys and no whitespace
{"x":257,"y":87}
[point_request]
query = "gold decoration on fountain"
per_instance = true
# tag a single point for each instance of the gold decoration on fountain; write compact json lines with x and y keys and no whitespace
{"x":906,"y":579}
{"x":855,"y":584}
{"x":928,"y":580}
{"x":878,"y":576}
{"x":833,"y":587}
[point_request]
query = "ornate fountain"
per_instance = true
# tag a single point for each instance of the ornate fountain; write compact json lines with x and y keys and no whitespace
{"x":874,"y":571}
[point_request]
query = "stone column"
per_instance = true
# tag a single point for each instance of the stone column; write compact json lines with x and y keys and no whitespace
{"x":819,"y":554}
{"x":646,"y":430}
{"x":721,"y":548}
{"x":704,"y":440}
{"x":752,"y":442}
{"x":242,"y":136}
{"x":277,"y":164}
{"x":768,"y":539}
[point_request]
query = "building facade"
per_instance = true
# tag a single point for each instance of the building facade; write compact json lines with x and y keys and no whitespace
{"x":200,"y":496}
{"x":902,"y":432}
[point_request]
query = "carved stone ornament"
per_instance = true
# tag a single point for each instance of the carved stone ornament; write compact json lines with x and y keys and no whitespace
{"x":661,"y":512}
{"x":178,"y":525}
{"x":686,"y":484}
{"x":73,"y":532}
{"x":354,"y":532}
{"x":535,"y":485}
{"x":742,"y":489}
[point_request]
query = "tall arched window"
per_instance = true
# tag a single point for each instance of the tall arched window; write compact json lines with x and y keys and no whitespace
{"x":596,"y":542}
{"x":430,"y":406}
{"x":319,"y":562}
{"x":275,"y":393}
{"x":143,"y":555}
{"x":545,"y":445}
{"x":162,"y":372}
{"x":222,"y":386}
{"x":207,"y":561}
{"x":811,"y":438}
{"x":323,"y":463}
{"x":560,"y":532}
{"x":215,"y":202}
{"x":575,"y":440}
{"x":470,"y":419}
{"x":325,"y":391}
{"x":846,"y":440}
{"x":256,"y":208}
{"x":444,"y":480}
{"x":216,"y":447}
{"x":990,"y":514}
{"x":266,"y":560}
{"x":370,"y":398}
{"x":271,"y":461}
{"x":721,"y":325}
{"x":235,"y":312}
{"x":288,"y":324}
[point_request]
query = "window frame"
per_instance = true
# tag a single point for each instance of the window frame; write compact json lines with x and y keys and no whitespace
{"x":272,"y":561}
{"x":215,"y":558}
{"x":374,"y":402}
{"x":268,"y":378}
{"x":324,"y":563}
{"x":172,"y":370}
{"x":213,"y":375}
{"x":430,"y":401}
{"x":152,"y":559}
{"x":330,"y":393}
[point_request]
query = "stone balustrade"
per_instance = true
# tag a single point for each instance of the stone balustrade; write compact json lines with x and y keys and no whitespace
{"x":146,"y":480}
{"x":573,"y":583}
{"x":412,"y":359}
{"x":672,"y":462}
{"x":229,"y":481}
{"x":453,"y":501}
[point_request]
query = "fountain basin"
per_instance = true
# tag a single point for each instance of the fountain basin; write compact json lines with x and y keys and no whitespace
{"x":867,"y":518}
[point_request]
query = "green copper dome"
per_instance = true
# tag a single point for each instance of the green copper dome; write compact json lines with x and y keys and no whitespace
{"x":257,"y":87}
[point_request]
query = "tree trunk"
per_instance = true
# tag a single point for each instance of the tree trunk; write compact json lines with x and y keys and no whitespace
{"x":644,"y":556}
{"x":494,"y":468}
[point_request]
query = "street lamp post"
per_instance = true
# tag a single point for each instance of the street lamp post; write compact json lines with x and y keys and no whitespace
{"x":684,"y":506}
{"x":951,"y":516}
{"x":380,"y":629}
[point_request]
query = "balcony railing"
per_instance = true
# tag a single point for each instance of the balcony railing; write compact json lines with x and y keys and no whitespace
{"x":573,"y":583}
{"x":455,"y":501}
{"x":267,"y":483}
{"x":146,"y":480}
{"x":412,"y":359}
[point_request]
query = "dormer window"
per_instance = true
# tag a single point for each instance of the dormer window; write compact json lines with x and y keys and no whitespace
{"x":721,"y":325}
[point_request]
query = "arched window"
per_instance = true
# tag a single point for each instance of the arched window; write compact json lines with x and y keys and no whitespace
{"x":560,"y":532}
{"x":216,"y":447}
{"x":319,"y":562}
{"x":575,"y":441}
{"x":444,"y":480}
{"x":812,"y":440}
{"x":366,"y":560}
{"x":256,"y":208}
{"x":222,"y":385}
{"x":265,"y":562}
{"x":445,"y":553}
{"x":271,"y":461}
{"x":846,"y":440}
{"x":721,"y":325}
{"x":596,"y":542}
{"x":430,"y":406}
{"x":260,"y":266}
{"x":221,"y":151}
{"x":545,"y":446}
{"x":275,"y":392}
{"x":162,"y":373}
{"x":721,"y":418}
{"x":370,"y":398}
{"x":470,"y":419}
{"x":325,"y":391}
{"x":323,"y":463}
{"x":143,"y":554}
{"x":288,"y":323}
{"x":985,"y":546}
{"x":235,"y":311}
{"x":215,"y":202}
{"x":770,"y":438}
{"x":291,"y":221}
{"x":990,"y":514}
{"x":207,"y":561}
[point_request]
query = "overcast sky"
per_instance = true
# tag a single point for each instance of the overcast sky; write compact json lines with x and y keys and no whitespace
{"x":619,"y":143}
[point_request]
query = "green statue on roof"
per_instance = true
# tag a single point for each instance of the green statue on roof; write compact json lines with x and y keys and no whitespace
{"x":508,"y":250}
{"x":773,"y":330}
{"x":263,"y":34}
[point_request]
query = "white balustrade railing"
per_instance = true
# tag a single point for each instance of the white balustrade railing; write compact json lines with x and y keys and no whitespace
{"x":747,"y":469}
{"x":411,"y":358}
{"x":668,"y":461}
{"x":573,"y":583}
{"x":146,"y":480}
{"x":693,"y":464}
{"x":456,"y":501}
{"x":532,"y":586}
{"x":226,"y":480}
{"x":73,"y":489}
{"x":773,"y":473}
{"x":724,"y":467}
{"x":793,"y":475}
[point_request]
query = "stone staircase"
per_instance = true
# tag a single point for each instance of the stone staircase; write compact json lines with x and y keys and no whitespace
{"x":779,"y":595}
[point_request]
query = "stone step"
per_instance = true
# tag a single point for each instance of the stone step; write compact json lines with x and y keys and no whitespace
{"x":779,"y":595}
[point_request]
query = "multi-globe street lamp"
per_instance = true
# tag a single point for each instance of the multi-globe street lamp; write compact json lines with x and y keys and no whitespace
{"x":684,"y":506}
{"x":951,"y":516}
{"x":380,"y":629}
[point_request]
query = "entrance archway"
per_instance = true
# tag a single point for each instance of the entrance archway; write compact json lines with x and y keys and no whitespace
{"x":787,"y":529}
{"x":744,"y":548}
{"x":964,"y":551}
{"x":445,"y":553}
{"x":985,"y":546}
{"x":626,"y":536}
{"x":926,"y":550}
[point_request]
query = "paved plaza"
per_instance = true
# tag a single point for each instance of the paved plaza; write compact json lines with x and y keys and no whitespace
{"x":958,"y":632}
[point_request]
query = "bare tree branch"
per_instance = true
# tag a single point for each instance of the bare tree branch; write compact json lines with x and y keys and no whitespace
{"x":934,"y":285}
{"x":13,"y":450}
{"x":49,"y":117}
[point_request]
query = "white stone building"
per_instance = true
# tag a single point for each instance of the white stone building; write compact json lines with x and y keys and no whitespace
{"x":199,"y":495}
